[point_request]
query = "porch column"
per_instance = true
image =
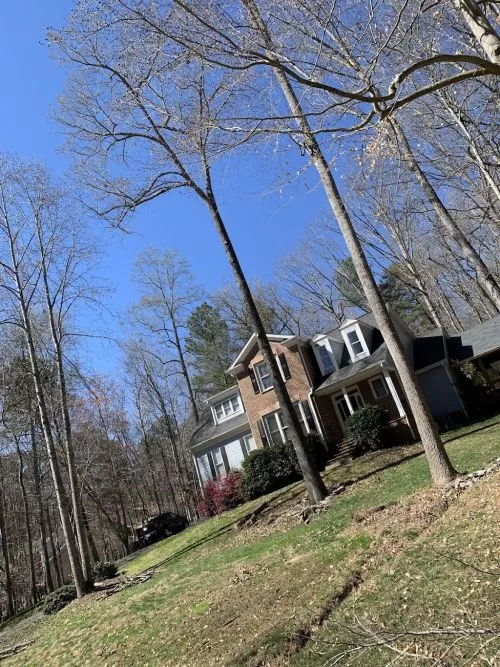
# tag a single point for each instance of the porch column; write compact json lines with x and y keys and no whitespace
{"x":394,"y":393}
{"x":347,"y":400}
{"x":397,"y":400}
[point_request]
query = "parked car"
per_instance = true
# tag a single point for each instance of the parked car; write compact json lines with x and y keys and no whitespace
{"x":159,"y":527}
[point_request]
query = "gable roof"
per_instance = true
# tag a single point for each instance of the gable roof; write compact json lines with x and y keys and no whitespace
{"x":251,"y":344}
{"x":348,"y":372}
{"x":476,"y":341}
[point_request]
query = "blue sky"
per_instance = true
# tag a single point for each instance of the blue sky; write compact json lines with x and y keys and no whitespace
{"x":253,"y":209}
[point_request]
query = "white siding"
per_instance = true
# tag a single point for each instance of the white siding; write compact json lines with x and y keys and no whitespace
{"x":204,"y":467}
{"x":234,"y":454}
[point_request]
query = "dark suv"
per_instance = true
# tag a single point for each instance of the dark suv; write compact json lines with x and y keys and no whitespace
{"x":156,"y":529}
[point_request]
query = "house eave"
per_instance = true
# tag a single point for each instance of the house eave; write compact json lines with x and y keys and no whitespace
{"x":353,"y":379}
{"x":222,"y":437}
{"x":249,"y":345}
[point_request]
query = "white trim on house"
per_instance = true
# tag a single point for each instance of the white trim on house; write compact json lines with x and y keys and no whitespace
{"x":355,"y":328}
{"x":344,"y":393}
{"x":395,"y":395}
{"x":257,"y":368}
{"x":323,"y":345}
{"x":227,"y":413}
{"x":272,"y":338}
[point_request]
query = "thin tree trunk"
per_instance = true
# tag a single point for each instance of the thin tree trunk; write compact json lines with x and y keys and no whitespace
{"x":68,"y":439}
{"x":5,"y":554}
{"x":484,"y":275}
{"x":440,"y":466}
{"x":185,"y":373}
{"x":49,"y":584}
{"x":480,"y":27}
{"x":55,"y":551}
{"x":62,"y":499}
{"x":27,"y":523}
{"x":457,"y":118}
{"x":90,"y":538}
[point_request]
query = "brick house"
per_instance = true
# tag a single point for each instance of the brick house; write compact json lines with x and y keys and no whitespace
{"x":330,"y":376}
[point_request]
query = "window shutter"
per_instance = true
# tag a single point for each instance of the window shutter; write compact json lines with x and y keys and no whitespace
{"x":284,"y":366}
{"x":211,"y":464}
{"x":255,"y":384}
{"x":263,"y":434}
{"x":224,"y":458}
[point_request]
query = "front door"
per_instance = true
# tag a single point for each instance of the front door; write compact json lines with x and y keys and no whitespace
{"x":342,"y":407}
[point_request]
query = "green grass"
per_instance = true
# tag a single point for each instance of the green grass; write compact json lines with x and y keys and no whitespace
{"x":235,"y":597}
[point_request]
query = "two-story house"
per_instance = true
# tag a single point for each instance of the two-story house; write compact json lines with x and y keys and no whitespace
{"x":329,"y":377}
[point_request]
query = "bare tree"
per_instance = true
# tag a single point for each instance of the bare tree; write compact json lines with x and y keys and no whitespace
{"x":154,"y":96}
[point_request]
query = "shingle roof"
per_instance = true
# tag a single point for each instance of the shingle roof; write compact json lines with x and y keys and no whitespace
{"x":476,"y":341}
{"x":428,"y":350}
{"x":379,"y":356}
{"x":208,"y":430}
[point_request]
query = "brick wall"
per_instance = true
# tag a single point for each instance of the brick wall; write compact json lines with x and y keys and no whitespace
{"x":257,"y":405}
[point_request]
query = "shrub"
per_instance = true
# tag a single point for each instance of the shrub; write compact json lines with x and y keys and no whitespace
{"x":104,"y":570}
{"x":221,"y":495}
{"x":271,"y":468}
{"x":317,"y":450}
{"x":366,"y":428}
{"x":59,"y":599}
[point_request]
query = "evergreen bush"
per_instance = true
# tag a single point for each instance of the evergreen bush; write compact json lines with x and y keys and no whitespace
{"x":59,"y":599}
{"x":367,"y":427}
{"x":103,"y":570}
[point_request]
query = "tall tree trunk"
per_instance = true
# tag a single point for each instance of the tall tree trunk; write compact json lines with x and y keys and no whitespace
{"x":47,"y":572}
{"x":484,"y":275}
{"x":90,"y":538}
{"x":5,"y":553}
{"x":54,"y":545}
{"x":315,"y":486}
{"x":172,"y":437}
{"x":480,"y":27}
{"x":76,"y":500}
{"x":478,"y":159}
{"x":440,"y":466}
{"x":27,"y":523}
{"x":184,"y":369}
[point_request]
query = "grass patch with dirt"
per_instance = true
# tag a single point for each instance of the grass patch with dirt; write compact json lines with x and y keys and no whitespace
{"x":271,"y":593}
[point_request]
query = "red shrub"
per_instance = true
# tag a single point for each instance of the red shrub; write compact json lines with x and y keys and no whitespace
{"x":221,"y":495}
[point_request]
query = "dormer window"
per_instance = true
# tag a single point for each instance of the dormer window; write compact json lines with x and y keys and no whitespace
{"x":227,"y":408}
{"x":325,"y":358}
{"x":356,"y":346}
{"x":356,"y":343}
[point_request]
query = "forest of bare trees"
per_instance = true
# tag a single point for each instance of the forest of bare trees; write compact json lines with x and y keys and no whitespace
{"x":389,"y":107}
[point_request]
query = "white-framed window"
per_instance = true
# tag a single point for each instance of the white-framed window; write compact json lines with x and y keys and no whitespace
{"x":218,"y":461}
{"x":356,"y":343}
{"x":379,"y":387}
{"x":263,"y":376}
{"x":275,"y":428}
{"x":227,"y":408}
{"x":342,"y":406}
{"x":249,"y":442}
{"x":325,"y":358}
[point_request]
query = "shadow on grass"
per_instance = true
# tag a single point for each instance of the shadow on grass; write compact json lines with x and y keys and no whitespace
{"x":272,"y":506}
{"x":464,"y":432}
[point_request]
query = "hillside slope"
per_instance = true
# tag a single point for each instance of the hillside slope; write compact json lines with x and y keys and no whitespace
{"x":280,"y":591}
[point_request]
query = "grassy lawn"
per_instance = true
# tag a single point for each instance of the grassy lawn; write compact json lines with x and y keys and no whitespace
{"x":221,"y":596}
